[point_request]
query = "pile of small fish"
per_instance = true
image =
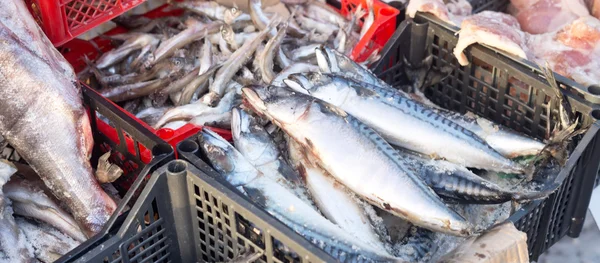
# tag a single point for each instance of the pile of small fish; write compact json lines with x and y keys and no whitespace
{"x":190,"y":68}
{"x":352,"y":144}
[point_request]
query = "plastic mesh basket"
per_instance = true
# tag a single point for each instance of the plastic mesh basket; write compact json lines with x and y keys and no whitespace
{"x":516,"y":96}
{"x":185,"y":215}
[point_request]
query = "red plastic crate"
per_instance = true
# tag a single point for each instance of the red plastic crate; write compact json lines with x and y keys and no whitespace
{"x":380,"y":32}
{"x":63,"y":20}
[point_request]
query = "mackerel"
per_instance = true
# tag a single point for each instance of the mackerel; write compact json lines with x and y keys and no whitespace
{"x":336,"y":202}
{"x":404,"y":122}
{"x":356,"y":156}
{"x":283,"y":204}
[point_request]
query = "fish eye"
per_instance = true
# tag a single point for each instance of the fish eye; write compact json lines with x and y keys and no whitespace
{"x":224,"y":31}
{"x":233,"y":10}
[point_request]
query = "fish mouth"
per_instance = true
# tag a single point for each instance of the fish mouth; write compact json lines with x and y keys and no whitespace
{"x":298,"y":83}
{"x":323,"y":59}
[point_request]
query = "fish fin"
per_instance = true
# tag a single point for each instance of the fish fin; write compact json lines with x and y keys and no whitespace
{"x":536,"y":195}
{"x":255,"y":195}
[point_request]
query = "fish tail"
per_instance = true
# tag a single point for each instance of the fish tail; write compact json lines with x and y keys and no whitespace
{"x":535,"y":195}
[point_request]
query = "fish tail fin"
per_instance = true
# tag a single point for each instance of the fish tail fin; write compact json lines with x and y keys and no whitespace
{"x":535,"y":195}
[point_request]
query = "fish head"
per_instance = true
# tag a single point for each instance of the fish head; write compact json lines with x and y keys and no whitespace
{"x":231,"y":14}
{"x":299,"y":82}
{"x":217,"y":150}
{"x":227,"y":33}
{"x":281,"y":105}
{"x":326,"y":59}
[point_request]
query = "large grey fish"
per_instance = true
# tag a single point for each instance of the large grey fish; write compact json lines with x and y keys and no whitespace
{"x":42,"y":117}
{"x":459,"y":184}
{"x":404,"y":122}
{"x":356,"y":156}
{"x":506,"y":142}
{"x":256,"y":145}
{"x":333,"y":199}
{"x":283,"y":204}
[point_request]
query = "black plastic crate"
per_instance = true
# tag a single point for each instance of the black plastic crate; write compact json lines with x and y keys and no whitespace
{"x":134,"y":148}
{"x":185,"y":215}
{"x":512,"y":94}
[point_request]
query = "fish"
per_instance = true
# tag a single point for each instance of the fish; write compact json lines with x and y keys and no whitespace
{"x":283,"y":204}
{"x":458,"y":184}
{"x":507,"y":142}
{"x":259,"y":18}
{"x":369,"y":20}
{"x":194,"y":31}
{"x":265,"y":58}
{"x":333,"y":199}
{"x":13,"y":245}
{"x":298,"y":67}
{"x":233,"y":64}
{"x":29,"y":200}
{"x":43,"y":118}
{"x":404,"y":122}
{"x":135,"y":41}
{"x":372,"y":170}
{"x":256,"y":145}
{"x":213,"y":10}
{"x":418,"y":245}
{"x":197,"y":108}
{"x":48,"y":243}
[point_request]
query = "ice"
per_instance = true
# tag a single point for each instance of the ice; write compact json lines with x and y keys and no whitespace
{"x":45,"y":242}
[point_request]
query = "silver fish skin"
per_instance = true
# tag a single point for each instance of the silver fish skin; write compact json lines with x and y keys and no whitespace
{"x":404,"y":122}
{"x":281,"y":203}
{"x":189,"y":111}
{"x":211,"y":9}
{"x":507,"y":142}
{"x":259,"y":18}
{"x":459,"y":184}
{"x":233,"y":64}
{"x":137,"y":41}
{"x":333,"y":199}
{"x":304,"y":52}
{"x":265,"y":58}
{"x":43,"y":118}
{"x":31,"y":201}
{"x":298,"y":67}
{"x":12,"y":240}
{"x":357,"y":157}
{"x":256,"y":145}
{"x":193,"y":32}
{"x":218,"y":120}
